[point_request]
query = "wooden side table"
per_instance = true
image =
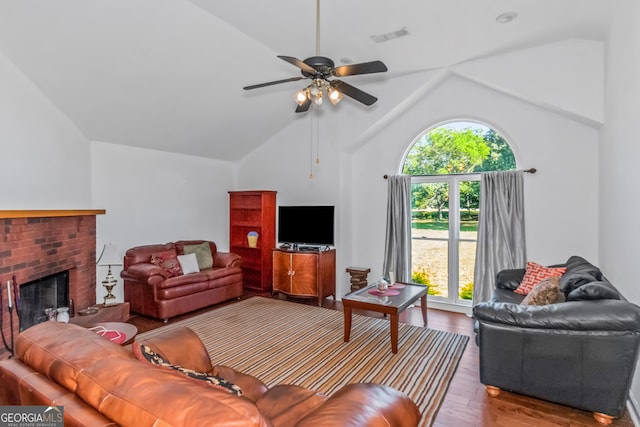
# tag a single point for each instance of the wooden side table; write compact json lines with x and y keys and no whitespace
{"x":113,"y":313}
{"x":358,"y":277}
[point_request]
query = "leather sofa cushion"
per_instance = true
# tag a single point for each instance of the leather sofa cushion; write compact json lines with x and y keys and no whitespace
{"x":286,"y":404}
{"x":510,"y":278}
{"x":190,"y":284}
{"x":252,"y":387}
{"x":21,"y":385}
{"x":51,"y":349}
{"x":579,"y":272}
{"x":203,"y":276}
{"x":140,"y":254}
{"x":594,"y":291}
{"x":214,"y":274}
{"x":142,"y":271}
{"x":133,"y":393}
{"x":185,"y":279}
{"x":615,"y":317}
{"x":174,"y":292}
{"x":377,"y":406}
{"x":506,"y":295}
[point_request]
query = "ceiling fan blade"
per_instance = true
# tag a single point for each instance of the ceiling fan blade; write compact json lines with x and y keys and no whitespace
{"x":298,"y":63}
{"x":363,"y":68}
{"x":353,"y":92}
{"x":292,"y":79}
{"x":304,"y":107}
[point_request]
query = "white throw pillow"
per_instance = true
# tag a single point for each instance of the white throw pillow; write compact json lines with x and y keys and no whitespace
{"x":189,"y":263}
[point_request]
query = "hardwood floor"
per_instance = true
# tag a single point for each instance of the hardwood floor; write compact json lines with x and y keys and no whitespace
{"x":466,"y":403}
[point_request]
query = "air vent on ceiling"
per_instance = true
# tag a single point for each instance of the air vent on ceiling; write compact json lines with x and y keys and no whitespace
{"x":390,"y":36}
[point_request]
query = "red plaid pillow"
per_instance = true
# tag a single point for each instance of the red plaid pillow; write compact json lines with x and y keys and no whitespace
{"x":535,"y":274}
{"x":168,"y":260}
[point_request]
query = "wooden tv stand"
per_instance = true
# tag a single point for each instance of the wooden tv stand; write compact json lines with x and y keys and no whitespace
{"x":305,"y":273}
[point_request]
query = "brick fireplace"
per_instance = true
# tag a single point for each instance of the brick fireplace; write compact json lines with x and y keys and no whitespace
{"x":36,"y":244}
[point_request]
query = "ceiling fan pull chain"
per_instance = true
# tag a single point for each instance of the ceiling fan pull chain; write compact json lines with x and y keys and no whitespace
{"x":310,"y":146}
{"x":317,"y":138}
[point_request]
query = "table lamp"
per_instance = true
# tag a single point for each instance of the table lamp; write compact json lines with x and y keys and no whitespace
{"x":109,"y":257}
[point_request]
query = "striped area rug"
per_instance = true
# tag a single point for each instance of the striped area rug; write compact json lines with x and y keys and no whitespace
{"x":283,"y":342}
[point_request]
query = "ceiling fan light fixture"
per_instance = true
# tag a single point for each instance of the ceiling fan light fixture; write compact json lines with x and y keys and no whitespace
{"x":314,"y":89}
{"x":322,"y":72}
{"x":301,"y":96}
{"x":334,"y":95}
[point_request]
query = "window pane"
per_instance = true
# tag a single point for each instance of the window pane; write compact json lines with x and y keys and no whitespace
{"x":469,"y":206}
{"x":467,"y":258}
{"x":430,"y":236}
{"x":429,"y":265}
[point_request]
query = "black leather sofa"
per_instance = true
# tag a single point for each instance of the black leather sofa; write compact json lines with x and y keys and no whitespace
{"x":581,"y":352}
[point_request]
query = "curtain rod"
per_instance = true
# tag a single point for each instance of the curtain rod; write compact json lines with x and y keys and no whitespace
{"x":531,"y":170}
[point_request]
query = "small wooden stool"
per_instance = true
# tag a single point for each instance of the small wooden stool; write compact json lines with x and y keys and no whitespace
{"x":358,"y":277}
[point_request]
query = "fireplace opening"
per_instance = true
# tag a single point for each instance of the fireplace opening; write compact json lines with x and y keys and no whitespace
{"x":41,"y":294}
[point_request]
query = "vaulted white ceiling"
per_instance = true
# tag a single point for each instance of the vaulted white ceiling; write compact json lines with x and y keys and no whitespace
{"x":168,"y":74}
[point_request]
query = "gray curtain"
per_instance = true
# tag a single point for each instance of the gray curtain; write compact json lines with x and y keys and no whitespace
{"x":397,"y":253}
{"x":501,"y":235}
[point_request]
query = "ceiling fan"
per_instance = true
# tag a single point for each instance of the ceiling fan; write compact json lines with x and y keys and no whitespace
{"x":320,"y":69}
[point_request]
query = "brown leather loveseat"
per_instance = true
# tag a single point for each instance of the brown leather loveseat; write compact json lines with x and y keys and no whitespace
{"x":100,"y":383}
{"x":151,"y":290}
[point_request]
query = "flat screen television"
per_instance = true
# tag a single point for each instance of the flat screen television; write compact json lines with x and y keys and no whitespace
{"x":310,"y":225}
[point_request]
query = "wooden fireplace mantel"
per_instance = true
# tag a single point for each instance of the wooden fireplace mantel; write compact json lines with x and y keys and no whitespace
{"x":49,"y":213}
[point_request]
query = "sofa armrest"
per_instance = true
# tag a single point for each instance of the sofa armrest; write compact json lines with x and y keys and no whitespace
{"x":142,"y":271}
{"x":226,"y":259}
{"x":252,"y":387}
{"x":364,"y":404}
{"x":180,"y":346}
{"x":598,"y":315}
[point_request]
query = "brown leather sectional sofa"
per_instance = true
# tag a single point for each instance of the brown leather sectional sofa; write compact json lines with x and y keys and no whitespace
{"x":151,"y":292}
{"x":100,"y":383}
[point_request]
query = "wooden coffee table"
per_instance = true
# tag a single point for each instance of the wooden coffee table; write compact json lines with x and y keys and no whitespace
{"x":392,"y":305}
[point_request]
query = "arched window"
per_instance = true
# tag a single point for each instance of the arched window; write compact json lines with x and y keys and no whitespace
{"x":445,"y":163}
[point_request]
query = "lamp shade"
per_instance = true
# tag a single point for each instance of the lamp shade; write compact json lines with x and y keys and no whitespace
{"x":109,"y":255}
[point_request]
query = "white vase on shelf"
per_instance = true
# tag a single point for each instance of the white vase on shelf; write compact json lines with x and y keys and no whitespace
{"x":63,"y":314}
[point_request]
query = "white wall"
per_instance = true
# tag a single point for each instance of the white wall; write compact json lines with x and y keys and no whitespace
{"x":157,"y":197}
{"x":45,"y":159}
{"x":620,"y":151}
{"x":286,"y":162}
